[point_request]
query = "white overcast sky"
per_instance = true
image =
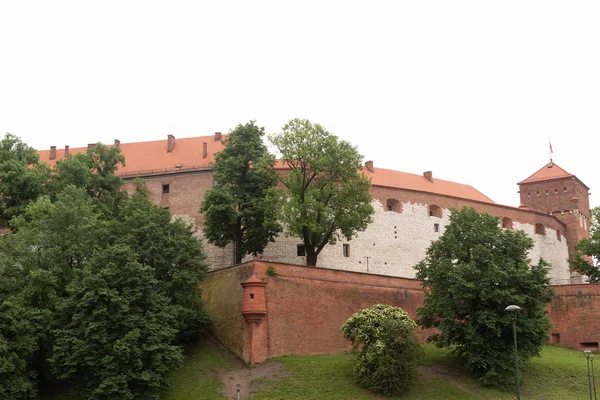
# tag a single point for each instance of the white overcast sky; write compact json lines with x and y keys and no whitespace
{"x":472,"y":90}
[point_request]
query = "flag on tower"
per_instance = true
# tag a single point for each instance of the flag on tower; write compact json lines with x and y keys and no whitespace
{"x":549,"y":142}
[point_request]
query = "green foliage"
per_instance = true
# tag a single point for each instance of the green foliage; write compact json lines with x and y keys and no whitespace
{"x":587,"y":248}
{"x":271,"y":271}
{"x":243,"y":207}
{"x":96,"y":286}
{"x":388,"y":349}
{"x":93,"y":171}
{"x":17,"y":344}
{"x":327,"y":195}
{"x":116,"y":329}
{"x":470,"y":275}
{"x":22,"y":177}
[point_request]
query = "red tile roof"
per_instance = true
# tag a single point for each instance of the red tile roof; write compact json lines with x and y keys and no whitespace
{"x":148,"y":158}
{"x":548,"y":172}
{"x":405,"y":180}
{"x":145,"y":158}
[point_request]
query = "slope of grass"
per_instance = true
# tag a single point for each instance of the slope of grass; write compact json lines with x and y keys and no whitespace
{"x":559,"y":374}
{"x":198,"y":378}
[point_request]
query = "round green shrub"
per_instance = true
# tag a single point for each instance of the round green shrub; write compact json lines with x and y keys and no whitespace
{"x":388,"y":351}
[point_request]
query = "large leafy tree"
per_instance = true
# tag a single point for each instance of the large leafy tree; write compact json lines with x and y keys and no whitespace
{"x":96,"y":286}
{"x":328,"y":197}
{"x":242,"y":207}
{"x":470,"y":275}
{"x":22,"y":177}
{"x":588,"y":251}
{"x":115,"y":330}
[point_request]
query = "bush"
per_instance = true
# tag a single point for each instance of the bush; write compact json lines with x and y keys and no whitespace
{"x":388,"y":350}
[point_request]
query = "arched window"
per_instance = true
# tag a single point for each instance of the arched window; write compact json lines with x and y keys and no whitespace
{"x":393,"y":205}
{"x":435,"y":211}
{"x":540,"y":229}
{"x":507,"y":223}
{"x":558,"y":235}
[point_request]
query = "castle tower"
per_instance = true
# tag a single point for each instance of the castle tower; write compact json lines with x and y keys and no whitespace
{"x":555,"y":191}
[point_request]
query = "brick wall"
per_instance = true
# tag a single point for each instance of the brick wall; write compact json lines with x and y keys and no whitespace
{"x":575,"y":315}
{"x":307,"y":306}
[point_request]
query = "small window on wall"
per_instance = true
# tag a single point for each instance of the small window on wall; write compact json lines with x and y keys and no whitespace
{"x":564,"y":189}
{"x":537,"y":193}
{"x":346,"y":250}
{"x":528,"y":194}
{"x":300,"y":250}
{"x":165,"y":189}
{"x":436,"y":227}
{"x":540,"y":229}
{"x":555,"y":191}
{"x":547,"y":192}
{"x":507,"y":223}
{"x":435,"y":211}
{"x":393,"y":205}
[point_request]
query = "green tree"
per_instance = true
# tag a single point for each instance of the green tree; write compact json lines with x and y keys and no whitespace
{"x":17,"y":345}
{"x":174,"y":253}
{"x":116,"y":331}
{"x":470,"y":275}
{"x":22,"y":177}
{"x":93,"y":171}
{"x":327,"y":195}
{"x":388,"y":350}
{"x":243,"y":206}
{"x":589,"y":249}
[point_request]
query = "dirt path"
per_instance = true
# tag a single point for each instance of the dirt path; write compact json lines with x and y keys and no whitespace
{"x":240,"y":374}
{"x":244,"y":376}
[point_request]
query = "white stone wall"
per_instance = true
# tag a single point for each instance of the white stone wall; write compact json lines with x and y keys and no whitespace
{"x":550,"y":249}
{"x":395,"y":242}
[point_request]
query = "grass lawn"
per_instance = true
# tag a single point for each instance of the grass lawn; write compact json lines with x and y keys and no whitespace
{"x":559,"y":374}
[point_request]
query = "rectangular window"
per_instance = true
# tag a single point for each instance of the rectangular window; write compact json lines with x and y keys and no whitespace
{"x":300,"y":250}
{"x":346,"y":250}
{"x":436,"y":227}
{"x":165,"y":189}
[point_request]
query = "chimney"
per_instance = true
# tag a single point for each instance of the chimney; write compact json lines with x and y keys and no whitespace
{"x":204,"y":149}
{"x":52,"y":152}
{"x":170,"y":143}
{"x":428,"y":175}
{"x":117,"y":143}
{"x":217,"y":136}
{"x":66,"y":150}
{"x":369,"y":165}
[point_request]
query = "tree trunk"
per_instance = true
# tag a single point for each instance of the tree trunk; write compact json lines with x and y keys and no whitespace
{"x":239,"y":242}
{"x":311,"y":256}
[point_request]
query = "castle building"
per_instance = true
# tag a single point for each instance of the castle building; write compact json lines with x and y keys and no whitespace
{"x":411,"y":210}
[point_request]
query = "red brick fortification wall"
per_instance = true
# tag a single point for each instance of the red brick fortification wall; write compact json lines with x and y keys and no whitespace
{"x":575,"y":315}
{"x":306,"y":306}
{"x":222,"y":294}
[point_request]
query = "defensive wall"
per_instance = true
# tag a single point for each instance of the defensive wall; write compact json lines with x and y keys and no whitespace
{"x":404,"y":224}
{"x":299,"y":310}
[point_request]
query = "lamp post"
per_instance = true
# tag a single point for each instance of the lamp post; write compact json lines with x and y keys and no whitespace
{"x":514,"y":309}
{"x":591,"y":378}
